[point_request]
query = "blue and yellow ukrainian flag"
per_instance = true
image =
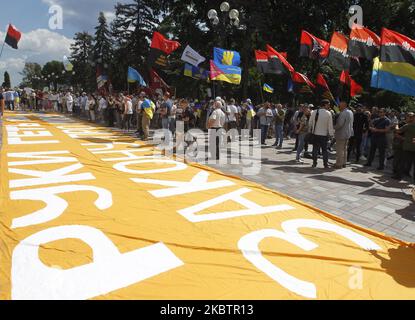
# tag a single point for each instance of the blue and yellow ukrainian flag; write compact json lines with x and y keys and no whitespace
{"x":251,"y":112}
{"x":195,"y":72}
{"x":149,"y":107}
{"x":398,"y":77}
{"x":268,"y":88}
{"x":220,"y":72}
{"x":226,"y":57}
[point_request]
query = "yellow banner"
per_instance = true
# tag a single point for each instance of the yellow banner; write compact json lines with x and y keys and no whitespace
{"x":87,"y":213}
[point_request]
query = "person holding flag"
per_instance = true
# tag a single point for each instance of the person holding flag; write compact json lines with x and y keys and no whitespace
{"x":147,"y":108}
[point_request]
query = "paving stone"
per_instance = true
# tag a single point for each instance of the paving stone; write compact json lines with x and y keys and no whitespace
{"x":410,"y":229}
{"x":385,"y":209}
{"x":350,"y":198}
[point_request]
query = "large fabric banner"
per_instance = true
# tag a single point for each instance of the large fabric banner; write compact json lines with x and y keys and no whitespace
{"x":89,"y":213}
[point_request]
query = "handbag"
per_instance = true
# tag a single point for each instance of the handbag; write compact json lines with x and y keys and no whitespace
{"x":311,"y":138}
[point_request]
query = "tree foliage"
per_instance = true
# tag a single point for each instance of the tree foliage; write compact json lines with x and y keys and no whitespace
{"x":32,"y":73}
{"x":275,"y":22}
{"x":82,"y":59}
{"x":6,"y":82}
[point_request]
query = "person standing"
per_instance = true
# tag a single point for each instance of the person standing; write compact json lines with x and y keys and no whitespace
{"x":148,"y":109}
{"x":343,"y":132}
{"x":265,"y":119}
{"x":279,"y":126}
{"x":9,"y":99}
{"x":128,"y":113}
{"x":360,"y":128}
{"x":69,"y":102}
{"x":380,"y":126}
{"x":102,"y":109}
{"x":91,"y":107}
{"x":139,"y":114}
{"x":215,"y":125}
{"x":321,"y":126}
{"x":111,"y":110}
{"x":1,"y":103}
{"x":302,"y":132}
{"x":408,"y":147}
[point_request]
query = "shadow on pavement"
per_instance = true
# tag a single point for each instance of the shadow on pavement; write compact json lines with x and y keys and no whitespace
{"x":343,"y":181}
{"x":400,"y":264}
{"x":407,"y":213}
{"x":386,"y":194}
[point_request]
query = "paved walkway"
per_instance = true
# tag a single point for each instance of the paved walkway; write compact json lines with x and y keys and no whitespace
{"x":362,"y":196}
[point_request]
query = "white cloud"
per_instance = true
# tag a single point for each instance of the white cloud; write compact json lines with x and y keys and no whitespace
{"x":39,"y":46}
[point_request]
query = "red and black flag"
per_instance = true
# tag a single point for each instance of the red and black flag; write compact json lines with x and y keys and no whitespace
{"x":262,"y":62}
{"x":301,"y":83}
{"x":279,"y":60}
{"x":157,"y":83}
{"x":322,"y":88}
{"x":346,"y":80}
{"x":161,"y":48}
{"x":338,"y":57}
{"x":396,"y":47}
{"x":266,"y":64}
{"x":313,"y":47}
{"x":363,"y":43}
{"x":13,"y":36}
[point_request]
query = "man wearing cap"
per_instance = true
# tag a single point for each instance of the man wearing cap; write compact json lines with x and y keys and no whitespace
{"x":321,"y":126}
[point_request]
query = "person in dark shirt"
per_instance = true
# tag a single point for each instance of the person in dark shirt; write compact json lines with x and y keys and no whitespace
{"x":379,"y":127}
{"x":399,"y":164}
{"x":1,"y":103}
{"x":360,"y":127}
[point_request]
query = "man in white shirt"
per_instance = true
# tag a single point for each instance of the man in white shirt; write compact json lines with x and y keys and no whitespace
{"x":9,"y":99}
{"x":102,"y":108}
{"x":215,"y":125}
{"x":233,"y":115}
{"x":84,"y":104}
{"x":321,"y":125}
{"x":69,"y":102}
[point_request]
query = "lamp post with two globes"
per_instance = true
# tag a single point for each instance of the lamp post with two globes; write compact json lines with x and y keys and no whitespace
{"x":227,"y":17}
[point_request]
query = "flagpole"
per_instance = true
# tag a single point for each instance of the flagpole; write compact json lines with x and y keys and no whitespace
{"x":260,"y":90}
{"x":4,"y":42}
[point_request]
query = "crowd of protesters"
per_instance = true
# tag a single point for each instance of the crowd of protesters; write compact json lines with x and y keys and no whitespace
{"x":357,"y":133}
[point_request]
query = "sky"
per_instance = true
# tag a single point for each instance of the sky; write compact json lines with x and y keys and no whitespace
{"x":39,"y":43}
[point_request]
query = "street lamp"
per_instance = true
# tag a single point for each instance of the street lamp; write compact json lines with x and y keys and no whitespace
{"x":224,"y":8}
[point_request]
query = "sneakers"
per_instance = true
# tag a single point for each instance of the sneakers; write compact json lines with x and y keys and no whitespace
{"x":299,"y":161}
{"x":279,"y":147}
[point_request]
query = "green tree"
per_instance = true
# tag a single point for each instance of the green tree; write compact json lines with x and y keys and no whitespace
{"x":53,"y":71}
{"x":132,"y":30}
{"x":102,"y":49}
{"x":6,"y":82}
{"x":32,"y":74}
{"x":83,"y":60}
